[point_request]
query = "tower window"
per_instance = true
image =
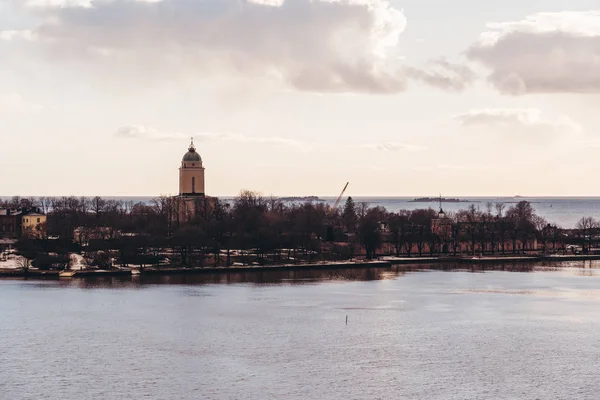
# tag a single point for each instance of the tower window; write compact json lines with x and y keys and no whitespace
{"x":193,"y":184}
{"x":193,"y":165}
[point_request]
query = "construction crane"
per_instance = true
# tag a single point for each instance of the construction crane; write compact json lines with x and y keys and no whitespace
{"x":337,"y":202}
{"x":329,"y":221}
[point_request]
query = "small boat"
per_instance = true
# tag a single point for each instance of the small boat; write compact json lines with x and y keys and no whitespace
{"x":67,"y":273}
{"x":135,"y":271}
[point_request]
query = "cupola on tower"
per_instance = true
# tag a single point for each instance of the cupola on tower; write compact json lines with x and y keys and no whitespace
{"x":191,"y":173}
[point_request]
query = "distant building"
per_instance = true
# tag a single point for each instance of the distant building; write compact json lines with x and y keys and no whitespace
{"x":442,"y":225}
{"x":10,"y":223}
{"x":83,"y":235}
{"x":192,"y":195}
{"x":191,"y":174}
{"x":33,"y":224}
{"x":16,"y":223}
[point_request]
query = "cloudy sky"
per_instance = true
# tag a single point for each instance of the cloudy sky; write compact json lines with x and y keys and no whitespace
{"x":296,"y":97}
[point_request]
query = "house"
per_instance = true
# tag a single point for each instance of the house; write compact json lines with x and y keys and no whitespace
{"x":10,"y":223}
{"x":33,"y":224}
{"x":16,"y":223}
{"x":83,"y":235}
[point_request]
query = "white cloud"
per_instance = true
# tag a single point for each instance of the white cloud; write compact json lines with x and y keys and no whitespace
{"x":9,"y":35}
{"x":393,"y":146}
{"x":142,"y":132}
{"x":58,"y":3}
{"x":444,"y":75}
{"x":453,"y":167}
{"x":313,"y":45}
{"x":544,"y":53}
{"x":149,"y":133}
{"x":518,"y":118}
{"x":324,"y":46}
{"x":272,"y":3}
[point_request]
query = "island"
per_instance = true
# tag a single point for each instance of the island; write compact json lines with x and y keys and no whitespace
{"x":301,"y":198}
{"x":437,"y":199}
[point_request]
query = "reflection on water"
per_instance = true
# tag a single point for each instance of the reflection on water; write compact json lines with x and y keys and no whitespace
{"x":310,"y":276}
{"x":409,"y":332}
{"x":295,"y":277}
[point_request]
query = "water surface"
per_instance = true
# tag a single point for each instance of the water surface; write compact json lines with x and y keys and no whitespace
{"x":283,"y":335}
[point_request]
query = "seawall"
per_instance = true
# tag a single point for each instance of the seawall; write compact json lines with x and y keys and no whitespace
{"x":387,"y":262}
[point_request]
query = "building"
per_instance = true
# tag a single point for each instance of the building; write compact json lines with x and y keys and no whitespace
{"x":191,"y":174}
{"x":15,"y":223}
{"x":192,"y":194}
{"x":10,"y":223}
{"x":83,"y":235}
{"x":33,"y":224}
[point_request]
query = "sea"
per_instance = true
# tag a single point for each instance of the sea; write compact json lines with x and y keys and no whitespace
{"x":562,"y":211}
{"x":296,"y":335}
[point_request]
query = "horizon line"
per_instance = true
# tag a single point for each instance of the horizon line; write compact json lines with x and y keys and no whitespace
{"x":466,"y":197}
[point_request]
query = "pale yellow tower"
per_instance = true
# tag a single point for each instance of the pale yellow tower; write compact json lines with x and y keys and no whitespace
{"x":191,"y":173}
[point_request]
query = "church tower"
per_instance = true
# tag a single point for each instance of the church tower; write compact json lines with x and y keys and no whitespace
{"x":191,"y":173}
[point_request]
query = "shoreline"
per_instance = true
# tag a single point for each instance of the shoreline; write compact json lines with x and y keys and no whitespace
{"x":384,"y":263}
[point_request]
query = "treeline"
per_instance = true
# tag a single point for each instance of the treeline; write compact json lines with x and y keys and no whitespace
{"x":257,"y":229}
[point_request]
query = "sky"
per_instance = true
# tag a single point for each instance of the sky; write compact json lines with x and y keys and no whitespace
{"x":298,"y":97}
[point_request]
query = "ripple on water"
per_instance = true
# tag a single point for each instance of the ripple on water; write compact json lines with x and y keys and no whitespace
{"x":452,"y":336}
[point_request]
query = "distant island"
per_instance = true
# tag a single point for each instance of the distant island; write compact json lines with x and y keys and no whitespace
{"x":437,"y":199}
{"x":301,"y":198}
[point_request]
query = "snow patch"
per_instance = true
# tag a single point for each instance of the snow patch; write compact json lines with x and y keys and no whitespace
{"x":77,"y":262}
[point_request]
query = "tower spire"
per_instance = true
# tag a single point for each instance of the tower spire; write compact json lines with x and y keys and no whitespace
{"x":192,"y":147}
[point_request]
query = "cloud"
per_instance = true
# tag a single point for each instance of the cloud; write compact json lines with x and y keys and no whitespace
{"x":312,"y":45}
{"x":8,"y":35}
{"x":57,"y":3}
{"x":324,"y":46}
{"x":142,"y":132}
{"x":393,"y":146}
{"x":148,"y":133}
{"x":517,"y":118}
{"x":453,"y":167}
{"x":544,"y":53}
{"x":444,"y":75}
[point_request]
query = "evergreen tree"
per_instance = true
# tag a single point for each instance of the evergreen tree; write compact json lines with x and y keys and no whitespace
{"x":349,"y":217}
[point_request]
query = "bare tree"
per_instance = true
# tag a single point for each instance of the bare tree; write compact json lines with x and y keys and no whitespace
{"x":23,"y":263}
{"x":500,"y":209}
{"x":543,"y":233}
{"x":44,"y":204}
{"x":586,"y":227}
{"x":98,"y":205}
